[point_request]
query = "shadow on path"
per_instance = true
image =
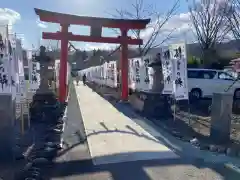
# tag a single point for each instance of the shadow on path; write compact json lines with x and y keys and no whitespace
{"x":73,"y":166}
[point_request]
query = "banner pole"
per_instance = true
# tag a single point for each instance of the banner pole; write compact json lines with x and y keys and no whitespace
{"x":22,"y":118}
{"x":174,"y":110}
{"x":189,"y":116}
{"x":28,"y":114}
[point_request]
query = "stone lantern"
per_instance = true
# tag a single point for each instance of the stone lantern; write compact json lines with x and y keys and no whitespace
{"x":45,"y":72}
{"x":44,"y":101}
{"x":156,"y":104}
{"x":156,"y":65}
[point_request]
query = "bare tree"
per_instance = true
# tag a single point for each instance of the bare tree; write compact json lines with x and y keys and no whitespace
{"x":234,"y":18}
{"x":158,"y":20}
{"x":210,"y":25}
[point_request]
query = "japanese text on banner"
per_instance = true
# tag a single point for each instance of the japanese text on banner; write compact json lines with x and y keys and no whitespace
{"x":180,"y":87}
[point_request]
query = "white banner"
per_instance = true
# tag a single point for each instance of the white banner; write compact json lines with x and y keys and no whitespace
{"x":102,"y":74}
{"x":13,"y":77}
{"x":34,"y":76}
{"x":5,"y":76}
{"x":23,"y":88}
{"x":11,"y":66}
{"x":179,"y":57}
{"x":131,"y":74}
{"x":146,"y":74}
{"x":167,"y":69}
{"x":111,"y":74}
{"x":140,"y":75}
{"x":138,"y":78}
{"x":5,"y":61}
{"x":3,"y":41}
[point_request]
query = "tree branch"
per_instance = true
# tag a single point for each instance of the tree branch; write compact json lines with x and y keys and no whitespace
{"x":209,"y":22}
{"x":142,"y":11}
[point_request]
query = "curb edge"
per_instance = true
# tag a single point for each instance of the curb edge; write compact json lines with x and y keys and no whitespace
{"x":232,"y":167}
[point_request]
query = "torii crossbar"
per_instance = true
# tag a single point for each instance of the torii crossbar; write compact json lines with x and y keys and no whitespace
{"x":96,"y":24}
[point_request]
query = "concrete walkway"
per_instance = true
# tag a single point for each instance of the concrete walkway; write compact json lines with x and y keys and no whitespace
{"x":113,"y":137}
{"x":75,"y":162}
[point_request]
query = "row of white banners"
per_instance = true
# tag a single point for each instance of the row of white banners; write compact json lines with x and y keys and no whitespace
{"x":105,"y":74}
{"x":174,"y":68}
{"x":12,"y":78}
{"x":11,"y":65}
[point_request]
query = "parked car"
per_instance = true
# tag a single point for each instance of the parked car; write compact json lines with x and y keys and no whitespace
{"x":204,"y":82}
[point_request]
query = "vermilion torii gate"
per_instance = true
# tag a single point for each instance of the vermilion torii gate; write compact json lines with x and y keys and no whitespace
{"x":96,"y":24}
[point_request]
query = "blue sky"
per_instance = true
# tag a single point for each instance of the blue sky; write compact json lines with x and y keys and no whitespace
{"x":27,"y":24}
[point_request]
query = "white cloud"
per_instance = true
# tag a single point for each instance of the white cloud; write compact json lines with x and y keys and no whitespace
{"x":41,"y":24}
{"x":8,"y":16}
{"x":180,"y":23}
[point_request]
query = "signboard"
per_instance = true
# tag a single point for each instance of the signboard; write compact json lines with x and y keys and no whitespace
{"x":34,"y":76}
{"x":3,"y":41}
{"x":5,"y":83}
{"x":167,"y":69}
{"x":111,"y":74}
{"x":146,"y":82}
{"x":131,"y":74}
{"x":179,"y":62}
{"x":137,"y":79}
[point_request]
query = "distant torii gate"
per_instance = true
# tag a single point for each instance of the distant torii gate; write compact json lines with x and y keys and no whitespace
{"x":96,"y":24}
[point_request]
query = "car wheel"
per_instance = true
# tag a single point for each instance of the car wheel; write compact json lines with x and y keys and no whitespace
{"x":196,"y":94}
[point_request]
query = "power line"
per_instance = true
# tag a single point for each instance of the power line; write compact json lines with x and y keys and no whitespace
{"x":115,"y":50}
{"x":71,"y":45}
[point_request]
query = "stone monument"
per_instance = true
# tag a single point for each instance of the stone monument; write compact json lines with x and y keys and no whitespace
{"x":45,"y":100}
{"x":221,"y":116}
{"x":155,"y":104}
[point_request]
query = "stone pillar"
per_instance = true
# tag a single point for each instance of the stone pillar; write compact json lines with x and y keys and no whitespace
{"x":156,"y":104}
{"x":6,"y":128}
{"x":157,"y":79}
{"x":221,"y":116}
{"x":45,"y":75}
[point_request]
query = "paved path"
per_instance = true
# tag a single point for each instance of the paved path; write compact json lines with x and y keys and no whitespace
{"x":121,"y":160}
{"x":113,"y":137}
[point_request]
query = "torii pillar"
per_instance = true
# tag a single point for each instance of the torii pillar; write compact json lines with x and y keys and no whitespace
{"x":96,"y":24}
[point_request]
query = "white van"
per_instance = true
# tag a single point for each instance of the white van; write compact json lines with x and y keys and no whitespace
{"x":204,"y":82}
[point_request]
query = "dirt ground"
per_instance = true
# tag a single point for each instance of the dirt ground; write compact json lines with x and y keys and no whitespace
{"x":193,"y":120}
